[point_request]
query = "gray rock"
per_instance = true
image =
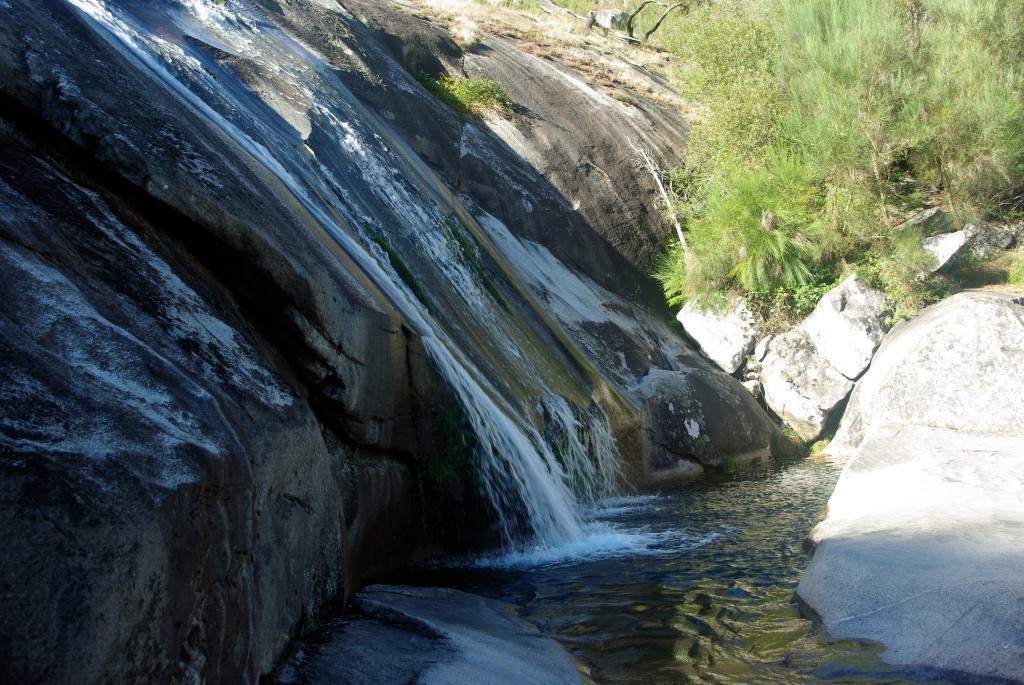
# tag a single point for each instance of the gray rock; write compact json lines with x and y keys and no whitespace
{"x":949,"y":367}
{"x":697,"y":417}
{"x":922,"y":551}
{"x":945,"y":248}
{"x":847,"y":325}
{"x":429,"y":636}
{"x":809,"y":371}
{"x":987,"y":239}
{"x":726,"y":337}
{"x":930,"y":222}
{"x":800,"y":385}
{"x":761,"y":349}
{"x":754,"y":387}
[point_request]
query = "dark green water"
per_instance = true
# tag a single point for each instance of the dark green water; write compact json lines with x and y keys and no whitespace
{"x":708,"y":600}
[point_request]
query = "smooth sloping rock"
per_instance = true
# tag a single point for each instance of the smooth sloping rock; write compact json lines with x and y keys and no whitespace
{"x":922,"y":550}
{"x":800,"y":385}
{"x":949,"y":367}
{"x":726,"y":338}
{"x":429,"y":636}
{"x":696,"y":417}
{"x":847,"y":326}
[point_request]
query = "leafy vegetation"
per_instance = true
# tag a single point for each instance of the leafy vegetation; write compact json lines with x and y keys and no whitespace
{"x":1016,"y":273}
{"x":475,"y":97}
{"x":825,"y":124}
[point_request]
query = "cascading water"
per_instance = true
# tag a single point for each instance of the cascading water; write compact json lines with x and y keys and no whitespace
{"x":353,"y":175}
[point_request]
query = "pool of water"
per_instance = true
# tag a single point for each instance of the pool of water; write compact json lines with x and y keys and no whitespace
{"x":700,"y":589}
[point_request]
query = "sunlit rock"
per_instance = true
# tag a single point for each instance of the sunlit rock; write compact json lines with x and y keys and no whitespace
{"x":809,"y":371}
{"x":921,"y":548}
{"x":725,"y":337}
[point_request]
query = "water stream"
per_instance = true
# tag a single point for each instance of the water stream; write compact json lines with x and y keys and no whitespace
{"x":360,"y":185}
{"x":704,"y":594}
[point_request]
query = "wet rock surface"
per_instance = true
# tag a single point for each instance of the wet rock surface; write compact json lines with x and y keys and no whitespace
{"x":215,"y":421}
{"x":401,"y":635}
{"x":696,"y":418}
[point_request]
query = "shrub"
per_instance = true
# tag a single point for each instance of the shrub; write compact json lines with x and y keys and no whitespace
{"x":1016,"y":273}
{"x":755,"y":228}
{"x":467,"y":95}
{"x":826,"y":123}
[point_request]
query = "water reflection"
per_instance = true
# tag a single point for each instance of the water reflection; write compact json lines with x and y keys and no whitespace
{"x":704,"y":596}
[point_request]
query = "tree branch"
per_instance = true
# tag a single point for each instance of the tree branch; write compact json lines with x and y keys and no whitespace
{"x":658,"y":24}
{"x":647,"y":162}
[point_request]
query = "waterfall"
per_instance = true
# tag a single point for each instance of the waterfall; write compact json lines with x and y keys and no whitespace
{"x":528,"y":481}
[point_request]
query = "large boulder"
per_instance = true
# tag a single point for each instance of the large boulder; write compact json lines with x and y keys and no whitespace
{"x":810,"y":370}
{"x":696,"y":418}
{"x":921,"y":549}
{"x":428,"y":636}
{"x":725,"y":337}
{"x":800,"y":385}
{"x":847,"y":326}
{"x":158,"y":452}
{"x":949,"y":367}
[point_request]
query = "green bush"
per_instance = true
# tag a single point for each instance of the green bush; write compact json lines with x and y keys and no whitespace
{"x":827,"y":123}
{"x":756,"y":229}
{"x":1016,"y":273}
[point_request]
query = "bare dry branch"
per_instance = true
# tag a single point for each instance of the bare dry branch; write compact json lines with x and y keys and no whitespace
{"x":646,"y":161}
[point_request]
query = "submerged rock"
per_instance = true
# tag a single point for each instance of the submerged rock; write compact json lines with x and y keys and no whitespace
{"x":429,"y":636}
{"x":921,"y":549}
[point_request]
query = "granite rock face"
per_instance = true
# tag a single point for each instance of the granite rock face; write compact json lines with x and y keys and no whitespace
{"x":810,"y":370}
{"x":699,"y":418}
{"x":949,"y":367}
{"x":226,"y":259}
{"x":159,"y":455}
{"x":921,"y":546}
{"x":429,"y":636}
{"x":726,"y":338}
{"x":921,"y":551}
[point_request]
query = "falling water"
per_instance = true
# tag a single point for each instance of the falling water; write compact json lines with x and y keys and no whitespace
{"x":528,"y":481}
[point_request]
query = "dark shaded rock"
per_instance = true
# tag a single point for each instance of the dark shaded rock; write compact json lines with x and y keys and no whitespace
{"x":159,"y":456}
{"x":428,"y":636}
{"x":696,"y":417}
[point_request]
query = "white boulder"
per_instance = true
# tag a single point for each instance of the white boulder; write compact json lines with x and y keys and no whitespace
{"x":725,"y":337}
{"x":952,"y":367}
{"x":847,"y":326}
{"x":809,"y":371}
{"x":922,"y":548}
